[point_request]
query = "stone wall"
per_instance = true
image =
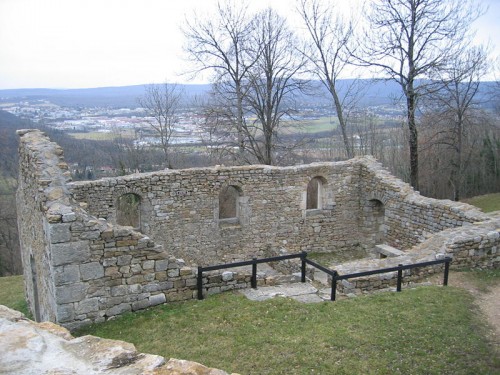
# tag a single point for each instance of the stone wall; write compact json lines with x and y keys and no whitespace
{"x":472,"y":246}
{"x":80,"y":266}
{"x":180,"y":210}
{"x":410,"y":218}
{"x":79,"y":269}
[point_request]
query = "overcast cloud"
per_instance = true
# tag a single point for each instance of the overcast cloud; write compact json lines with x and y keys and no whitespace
{"x":97,"y":43}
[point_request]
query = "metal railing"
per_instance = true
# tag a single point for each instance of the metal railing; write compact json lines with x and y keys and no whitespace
{"x":399,"y":269}
{"x":335,"y":276}
{"x":253,"y":263}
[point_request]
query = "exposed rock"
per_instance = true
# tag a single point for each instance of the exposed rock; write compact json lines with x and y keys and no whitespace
{"x":181,"y":367}
{"x":31,"y":348}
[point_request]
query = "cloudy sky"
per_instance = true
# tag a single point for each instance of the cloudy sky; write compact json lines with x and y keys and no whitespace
{"x":97,"y":43}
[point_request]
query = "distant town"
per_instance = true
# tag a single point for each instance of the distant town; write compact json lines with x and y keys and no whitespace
{"x":115,"y":120}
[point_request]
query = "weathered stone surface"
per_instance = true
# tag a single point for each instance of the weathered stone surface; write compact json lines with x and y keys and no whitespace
{"x":90,"y":271}
{"x":87,"y":305}
{"x":65,"y":313}
{"x":70,"y":293}
{"x":298,"y":290}
{"x":119,"y":309}
{"x":142,"y":304}
{"x":31,"y":348}
{"x":67,"y":274}
{"x":182,"y":367}
{"x":60,"y":233}
{"x":70,"y":252}
{"x":161,"y":265}
{"x":9,"y":314}
{"x":123,"y":260}
{"x":157,"y":299}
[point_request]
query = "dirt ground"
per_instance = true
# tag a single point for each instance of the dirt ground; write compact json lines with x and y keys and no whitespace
{"x":487,"y":301}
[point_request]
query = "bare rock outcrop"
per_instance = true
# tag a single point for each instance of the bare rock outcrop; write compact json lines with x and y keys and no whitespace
{"x":27,"y":347}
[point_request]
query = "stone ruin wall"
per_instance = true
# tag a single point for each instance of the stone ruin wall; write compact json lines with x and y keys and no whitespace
{"x":475,"y":246}
{"x":180,"y":210}
{"x":410,"y":218}
{"x":80,"y":267}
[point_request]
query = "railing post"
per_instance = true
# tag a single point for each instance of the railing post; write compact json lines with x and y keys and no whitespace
{"x":400,"y":277}
{"x":254,"y":273}
{"x":334,"y":286}
{"x":200,"y":283}
{"x":303,"y":267}
{"x":446,"y":270}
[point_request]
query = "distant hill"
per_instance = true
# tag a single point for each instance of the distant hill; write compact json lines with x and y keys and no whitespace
{"x":372,"y":93}
{"x":123,"y":96}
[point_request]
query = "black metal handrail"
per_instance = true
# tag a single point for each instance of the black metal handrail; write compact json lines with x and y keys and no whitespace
{"x":399,"y":269}
{"x":334,"y":274}
{"x":328,"y":271}
{"x":252,"y":263}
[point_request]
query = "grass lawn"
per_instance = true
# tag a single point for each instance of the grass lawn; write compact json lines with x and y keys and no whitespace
{"x":487,"y":203}
{"x":428,"y":330}
{"x":12,"y":293}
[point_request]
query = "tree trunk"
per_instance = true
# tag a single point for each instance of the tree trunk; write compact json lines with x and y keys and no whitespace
{"x":342,"y":122}
{"x":459,"y":163}
{"x":413,"y":141}
{"x":239,"y":120}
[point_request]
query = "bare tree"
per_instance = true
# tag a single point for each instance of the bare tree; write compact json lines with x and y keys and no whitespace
{"x":410,"y":39}
{"x":454,"y":106}
{"x":131,"y":152}
{"x":221,"y":44}
{"x":273,"y":83}
{"x":161,"y":102}
{"x":224,"y":134}
{"x":255,"y":63}
{"x":329,"y":55}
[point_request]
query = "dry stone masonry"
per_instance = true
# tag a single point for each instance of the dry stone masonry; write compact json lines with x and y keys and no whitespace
{"x":82,"y":265}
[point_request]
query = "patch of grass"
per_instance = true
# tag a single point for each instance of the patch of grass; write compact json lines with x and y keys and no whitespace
{"x":428,"y":330}
{"x":484,"y":279}
{"x":487,"y":203}
{"x":320,"y":125}
{"x":12,"y":294}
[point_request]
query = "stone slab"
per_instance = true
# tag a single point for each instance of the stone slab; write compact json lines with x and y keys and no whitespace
{"x":70,"y":252}
{"x":298,"y":291}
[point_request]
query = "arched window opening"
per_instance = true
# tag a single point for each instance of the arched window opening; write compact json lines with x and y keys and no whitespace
{"x":228,"y":203}
{"x":376,"y":207}
{"x":315,"y":194}
{"x":128,"y":210}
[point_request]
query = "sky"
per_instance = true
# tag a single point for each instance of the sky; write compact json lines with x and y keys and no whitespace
{"x":100,"y":43}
